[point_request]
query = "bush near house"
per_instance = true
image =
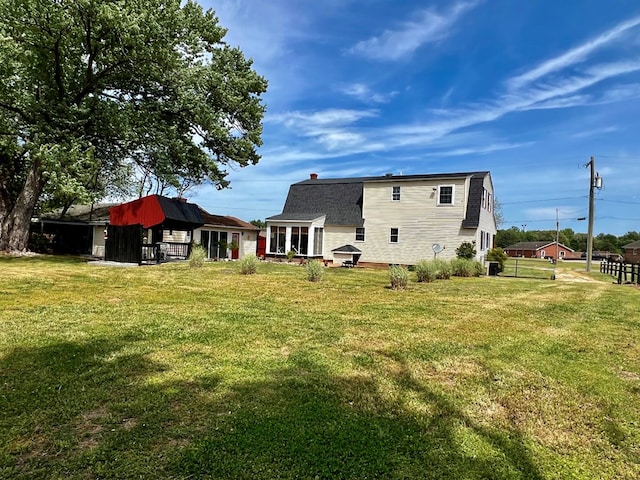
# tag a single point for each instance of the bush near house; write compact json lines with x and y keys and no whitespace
{"x":497,"y":255}
{"x":443,"y":269}
{"x":466,"y":250}
{"x":314,"y":270}
{"x":399,"y":277}
{"x":197,"y":256}
{"x":249,"y":264}
{"x":425,"y":271}
{"x":462,"y":267}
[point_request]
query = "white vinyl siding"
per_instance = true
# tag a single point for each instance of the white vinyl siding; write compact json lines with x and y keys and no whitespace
{"x":419,"y":219}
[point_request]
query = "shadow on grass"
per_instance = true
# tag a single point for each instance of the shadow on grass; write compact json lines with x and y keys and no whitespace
{"x":92,"y":410}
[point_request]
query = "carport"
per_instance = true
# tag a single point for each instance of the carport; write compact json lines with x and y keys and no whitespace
{"x":151,"y":229}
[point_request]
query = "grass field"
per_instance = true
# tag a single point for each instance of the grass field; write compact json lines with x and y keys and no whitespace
{"x":172,"y":372}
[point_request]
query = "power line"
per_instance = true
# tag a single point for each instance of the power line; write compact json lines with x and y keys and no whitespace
{"x":543,"y":200}
{"x":618,"y":201}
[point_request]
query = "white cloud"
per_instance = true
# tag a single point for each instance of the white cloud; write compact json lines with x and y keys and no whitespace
{"x":430,"y":26}
{"x":362,"y":92}
{"x":321,"y":118}
{"x":573,"y":56}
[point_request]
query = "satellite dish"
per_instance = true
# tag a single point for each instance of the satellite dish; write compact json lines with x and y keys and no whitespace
{"x":437,"y":248}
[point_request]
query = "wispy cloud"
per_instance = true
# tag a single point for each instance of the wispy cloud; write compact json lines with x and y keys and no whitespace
{"x":595,"y":132}
{"x":574,"y":56}
{"x":429,"y":26}
{"x":365,"y":94}
{"x":321,"y":118}
{"x":479,"y":150}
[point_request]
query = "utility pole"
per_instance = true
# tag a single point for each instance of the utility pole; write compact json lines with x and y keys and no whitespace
{"x":557,"y":257}
{"x":592,"y":164}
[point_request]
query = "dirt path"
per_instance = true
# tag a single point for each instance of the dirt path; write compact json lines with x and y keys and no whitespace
{"x":573,"y":276}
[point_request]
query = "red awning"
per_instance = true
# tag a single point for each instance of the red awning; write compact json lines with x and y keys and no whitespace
{"x":156,"y":210}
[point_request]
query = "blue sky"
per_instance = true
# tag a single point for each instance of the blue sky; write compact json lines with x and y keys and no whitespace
{"x":527,"y":90}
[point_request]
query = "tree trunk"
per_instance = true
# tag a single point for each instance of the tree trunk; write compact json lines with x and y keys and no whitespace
{"x":15,"y":220}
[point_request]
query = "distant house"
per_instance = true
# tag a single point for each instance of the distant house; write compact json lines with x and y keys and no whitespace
{"x":397,"y":219}
{"x":632,"y":252}
{"x":79,"y":230}
{"x":539,"y":250}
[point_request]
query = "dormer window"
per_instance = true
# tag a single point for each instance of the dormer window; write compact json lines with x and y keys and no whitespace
{"x":395,"y":194}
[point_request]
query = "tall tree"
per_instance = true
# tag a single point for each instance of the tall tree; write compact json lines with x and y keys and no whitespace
{"x":94,"y":90}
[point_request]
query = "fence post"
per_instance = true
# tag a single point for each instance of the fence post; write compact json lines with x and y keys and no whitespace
{"x":620,"y":275}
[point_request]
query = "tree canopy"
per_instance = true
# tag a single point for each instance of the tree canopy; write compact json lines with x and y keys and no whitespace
{"x":95,"y":93}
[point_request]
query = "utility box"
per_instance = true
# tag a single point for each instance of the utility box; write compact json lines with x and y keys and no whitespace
{"x":492,"y":269}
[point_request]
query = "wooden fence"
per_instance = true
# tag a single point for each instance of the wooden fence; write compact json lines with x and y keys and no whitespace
{"x":624,"y":272}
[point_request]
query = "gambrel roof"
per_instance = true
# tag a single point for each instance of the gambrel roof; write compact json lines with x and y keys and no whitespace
{"x":340,"y":199}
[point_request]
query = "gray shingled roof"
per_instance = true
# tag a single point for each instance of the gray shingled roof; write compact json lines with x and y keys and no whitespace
{"x":635,"y":244}
{"x":340,"y":199}
{"x":474,"y":201}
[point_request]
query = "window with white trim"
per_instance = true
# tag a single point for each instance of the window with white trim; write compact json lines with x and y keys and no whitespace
{"x":395,"y":194}
{"x":359,"y":234}
{"x":318,"y":240}
{"x":393,"y":235}
{"x":445,"y":195}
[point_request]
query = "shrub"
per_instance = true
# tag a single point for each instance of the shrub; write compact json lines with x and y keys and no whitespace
{"x":290,"y":255}
{"x":497,"y":255}
{"x":314,"y":270}
{"x":399,"y":277}
{"x":249,"y":265}
{"x":443,"y":269}
{"x":426,"y":271}
{"x":462,"y":267}
{"x":466,"y":250}
{"x":197,"y":256}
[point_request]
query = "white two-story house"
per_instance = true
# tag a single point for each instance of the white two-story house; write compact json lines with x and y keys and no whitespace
{"x":391,"y":219}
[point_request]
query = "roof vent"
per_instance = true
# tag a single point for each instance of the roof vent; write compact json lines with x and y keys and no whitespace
{"x":313,"y":176}
{"x":388,"y":174}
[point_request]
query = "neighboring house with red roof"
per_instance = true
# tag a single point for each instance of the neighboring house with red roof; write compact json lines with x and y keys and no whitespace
{"x":538,"y":250}
{"x":397,"y":219}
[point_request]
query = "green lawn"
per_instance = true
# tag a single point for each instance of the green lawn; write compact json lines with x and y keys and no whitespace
{"x":171,"y":372}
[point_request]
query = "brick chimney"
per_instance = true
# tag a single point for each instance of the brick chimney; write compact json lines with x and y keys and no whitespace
{"x":313,"y":176}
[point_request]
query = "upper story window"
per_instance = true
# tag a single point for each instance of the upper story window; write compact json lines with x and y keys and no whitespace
{"x":393,"y":235}
{"x":445,"y":195}
{"x":395,"y":194}
{"x":360,"y":234}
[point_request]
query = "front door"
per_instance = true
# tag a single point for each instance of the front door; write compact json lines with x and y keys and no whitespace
{"x":235,"y":240}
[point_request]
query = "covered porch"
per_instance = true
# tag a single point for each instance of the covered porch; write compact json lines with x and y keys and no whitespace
{"x":151,"y":229}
